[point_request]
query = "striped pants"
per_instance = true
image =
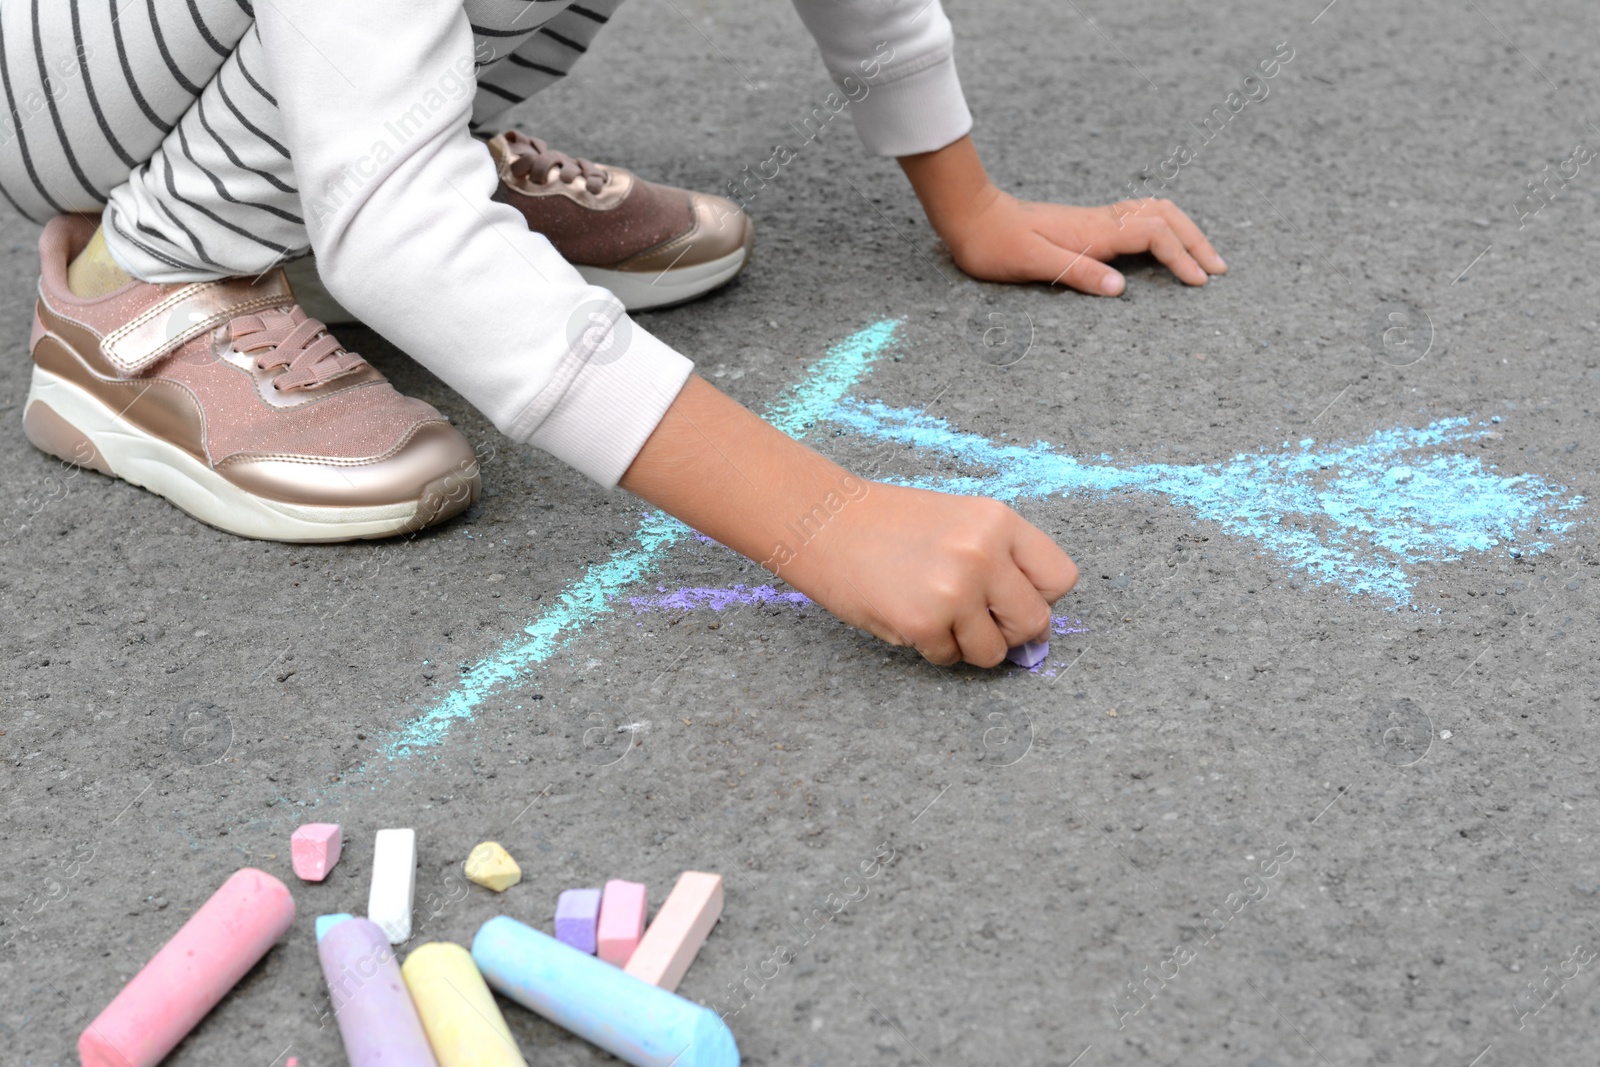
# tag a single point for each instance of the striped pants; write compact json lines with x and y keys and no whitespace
{"x":156,"y":112}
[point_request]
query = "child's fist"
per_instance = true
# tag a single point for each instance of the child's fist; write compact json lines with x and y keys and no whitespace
{"x":957,"y":578}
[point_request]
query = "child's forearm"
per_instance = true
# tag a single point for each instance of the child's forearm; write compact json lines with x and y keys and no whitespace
{"x":732,"y":476}
{"x":952,"y":184}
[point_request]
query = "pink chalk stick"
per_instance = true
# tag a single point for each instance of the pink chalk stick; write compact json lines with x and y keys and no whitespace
{"x":314,"y":849}
{"x":678,"y":930}
{"x":1030,"y":654}
{"x":192,"y":972}
{"x":622,"y":907}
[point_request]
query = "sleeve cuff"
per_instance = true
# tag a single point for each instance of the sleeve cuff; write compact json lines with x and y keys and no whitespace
{"x":921,"y":112}
{"x":610,"y":404}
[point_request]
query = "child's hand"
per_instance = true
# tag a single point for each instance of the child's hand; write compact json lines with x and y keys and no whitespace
{"x":996,"y":237}
{"x":1014,"y":240}
{"x":955,"y":577}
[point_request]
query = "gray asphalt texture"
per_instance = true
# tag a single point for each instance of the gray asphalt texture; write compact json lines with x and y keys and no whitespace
{"x":175,"y":700}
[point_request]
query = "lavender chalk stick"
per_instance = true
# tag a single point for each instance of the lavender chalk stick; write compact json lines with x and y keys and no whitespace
{"x":1030,"y":654}
{"x":377,"y":1019}
{"x":577,"y":915}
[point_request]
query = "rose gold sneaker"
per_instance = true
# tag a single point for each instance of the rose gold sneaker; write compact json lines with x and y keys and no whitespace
{"x":652,"y":245}
{"x":225,"y":398}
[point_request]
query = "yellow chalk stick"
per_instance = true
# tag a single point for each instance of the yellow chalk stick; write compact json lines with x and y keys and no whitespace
{"x":680,"y":928}
{"x":463,"y":1024}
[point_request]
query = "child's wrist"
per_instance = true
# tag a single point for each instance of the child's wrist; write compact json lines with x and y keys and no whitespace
{"x":805,"y":542}
{"x":959,"y":222}
{"x":953,"y":187}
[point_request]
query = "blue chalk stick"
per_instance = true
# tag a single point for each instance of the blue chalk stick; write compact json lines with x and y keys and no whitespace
{"x":631,"y":1019}
{"x":328,"y":922}
{"x":1030,"y":654}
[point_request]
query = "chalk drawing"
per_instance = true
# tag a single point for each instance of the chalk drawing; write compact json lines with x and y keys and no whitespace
{"x":1355,"y":515}
{"x":1348,"y":514}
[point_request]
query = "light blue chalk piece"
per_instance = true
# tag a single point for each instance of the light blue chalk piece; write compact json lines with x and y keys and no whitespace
{"x":328,"y":922}
{"x":629,"y":1018}
{"x":1029,"y":654}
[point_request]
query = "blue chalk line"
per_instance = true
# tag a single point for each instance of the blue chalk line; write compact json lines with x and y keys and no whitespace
{"x":1353,"y":515}
{"x":592,"y":596}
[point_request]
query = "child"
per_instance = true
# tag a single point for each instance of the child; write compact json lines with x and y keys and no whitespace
{"x":222,"y":141}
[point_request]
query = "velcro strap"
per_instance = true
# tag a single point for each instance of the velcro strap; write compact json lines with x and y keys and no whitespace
{"x":188,"y":313}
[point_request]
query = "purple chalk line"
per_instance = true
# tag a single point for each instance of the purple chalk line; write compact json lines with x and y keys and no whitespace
{"x":691,"y":597}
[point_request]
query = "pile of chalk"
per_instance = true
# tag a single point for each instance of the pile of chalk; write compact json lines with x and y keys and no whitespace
{"x":606,"y":975}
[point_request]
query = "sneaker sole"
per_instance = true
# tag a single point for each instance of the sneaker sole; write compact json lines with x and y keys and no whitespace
{"x":64,"y":421}
{"x":641,"y":292}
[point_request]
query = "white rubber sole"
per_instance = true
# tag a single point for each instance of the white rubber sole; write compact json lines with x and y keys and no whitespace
{"x":640,"y":292}
{"x":168,"y":471}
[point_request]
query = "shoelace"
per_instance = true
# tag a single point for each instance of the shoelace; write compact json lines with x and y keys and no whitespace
{"x":288,"y":337}
{"x":536,"y":159}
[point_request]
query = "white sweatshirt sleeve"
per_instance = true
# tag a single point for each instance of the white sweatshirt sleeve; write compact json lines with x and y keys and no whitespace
{"x":375,"y":97}
{"x":894,"y":60}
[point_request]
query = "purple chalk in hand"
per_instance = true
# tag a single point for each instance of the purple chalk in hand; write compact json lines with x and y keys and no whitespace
{"x":577,"y":915}
{"x":1030,"y":654}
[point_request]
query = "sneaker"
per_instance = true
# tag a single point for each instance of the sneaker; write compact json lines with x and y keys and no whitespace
{"x":228,"y":400}
{"x":651,"y":245}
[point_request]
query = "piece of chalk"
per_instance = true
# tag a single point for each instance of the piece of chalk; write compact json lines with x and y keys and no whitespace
{"x":577,"y":917}
{"x":328,"y":922}
{"x":633,"y":1020}
{"x":394,"y":881}
{"x":1030,"y":654}
{"x":621,"y":924}
{"x":314,"y":849}
{"x":680,"y":927}
{"x":377,"y":1020}
{"x":208,"y":955}
{"x":463,"y":1022}
{"x":492,"y":867}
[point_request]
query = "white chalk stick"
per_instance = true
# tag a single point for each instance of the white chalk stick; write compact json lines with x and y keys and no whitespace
{"x":394,"y":881}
